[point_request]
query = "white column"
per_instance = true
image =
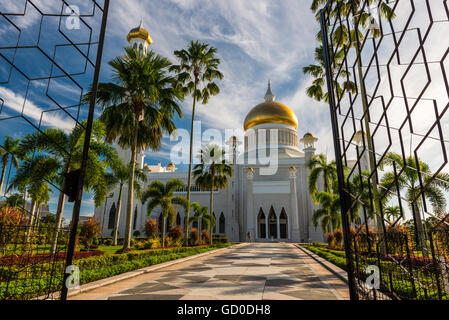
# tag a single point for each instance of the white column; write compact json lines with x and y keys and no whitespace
{"x":250,"y":216}
{"x":295,"y":234}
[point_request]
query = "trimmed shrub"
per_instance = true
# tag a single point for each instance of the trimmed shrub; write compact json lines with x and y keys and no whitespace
{"x":194,"y":237}
{"x":176,"y":233}
{"x":205,"y":236}
{"x":338,"y":236}
{"x":151,"y":228}
{"x":136,"y":233}
{"x":220,"y":239}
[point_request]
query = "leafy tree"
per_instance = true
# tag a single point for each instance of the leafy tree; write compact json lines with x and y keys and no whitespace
{"x":119,"y":176}
{"x":321,"y":169}
{"x":160,"y":195}
{"x":8,"y":151}
{"x":212,"y":173}
{"x":10,"y":219}
{"x":408,"y":181}
{"x":138,"y":107}
{"x":392,"y":213}
{"x":197,"y":70}
{"x":151,"y":228}
{"x":65,"y":151}
{"x":90,"y":230}
{"x":329,"y":212}
{"x":15,"y":201}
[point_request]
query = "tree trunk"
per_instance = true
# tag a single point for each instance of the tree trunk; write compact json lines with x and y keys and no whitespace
{"x":419,"y":230}
{"x":30,"y":222}
{"x":129,"y":207}
{"x":2,"y":178}
{"x":117,"y":216}
{"x":211,"y":209}
{"x":59,"y":214}
{"x":163,"y":231}
{"x":189,"y":177}
{"x":371,"y":156}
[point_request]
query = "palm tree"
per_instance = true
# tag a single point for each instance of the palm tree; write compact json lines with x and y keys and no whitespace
{"x":197,"y":70}
{"x":119,"y":177}
{"x":202,"y":214}
{"x":138,"y":107}
{"x":160,"y":195}
{"x":15,"y":200}
{"x":33,"y":177}
{"x":318,"y":72}
{"x":67,"y":150}
{"x":9,"y":149}
{"x":344,"y":39}
{"x":212,"y":173}
{"x":410,"y":170}
{"x":329,"y":212}
{"x":392,"y":213}
{"x":320,"y":168}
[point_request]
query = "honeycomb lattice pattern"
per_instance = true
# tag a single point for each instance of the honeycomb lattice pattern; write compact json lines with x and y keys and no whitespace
{"x":397,"y":63}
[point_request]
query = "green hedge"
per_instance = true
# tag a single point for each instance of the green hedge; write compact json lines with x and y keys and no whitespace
{"x":35,"y":279}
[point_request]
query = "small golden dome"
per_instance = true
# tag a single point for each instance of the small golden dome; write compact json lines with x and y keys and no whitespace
{"x":139,"y":32}
{"x":171,"y":164}
{"x":270,"y":112}
{"x":308,"y":135}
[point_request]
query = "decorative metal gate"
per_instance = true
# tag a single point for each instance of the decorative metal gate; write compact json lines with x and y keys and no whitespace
{"x":50,"y":54}
{"x":386,"y":64}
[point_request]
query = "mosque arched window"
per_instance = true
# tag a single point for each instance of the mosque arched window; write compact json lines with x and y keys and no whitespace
{"x":135,"y":219}
{"x":141,"y":49}
{"x":112,"y":214}
{"x":283,"y":224}
{"x":221,"y":228}
{"x":262,"y":234}
{"x":178,"y":219}
{"x":135,"y":46}
{"x":272,"y":224}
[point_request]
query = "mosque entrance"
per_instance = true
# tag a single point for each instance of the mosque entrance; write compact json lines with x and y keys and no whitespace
{"x":272,"y":225}
{"x":283,"y":223}
{"x":262,"y":225}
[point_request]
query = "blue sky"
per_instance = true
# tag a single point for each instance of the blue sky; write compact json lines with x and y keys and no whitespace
{"x":256,"y":41}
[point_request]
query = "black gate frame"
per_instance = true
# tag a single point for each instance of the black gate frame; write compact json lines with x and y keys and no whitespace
{"x":426,"y":281}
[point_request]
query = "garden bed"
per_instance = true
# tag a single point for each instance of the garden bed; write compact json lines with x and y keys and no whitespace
{"x":39,"y":279}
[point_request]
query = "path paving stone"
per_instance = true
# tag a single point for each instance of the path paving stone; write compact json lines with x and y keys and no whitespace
{"x":252,"y":272}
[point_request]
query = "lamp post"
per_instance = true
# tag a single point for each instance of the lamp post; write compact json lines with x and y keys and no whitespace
{"x":104,"y":214}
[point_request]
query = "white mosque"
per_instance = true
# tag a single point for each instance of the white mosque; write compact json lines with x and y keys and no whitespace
{"x":271,"y":204}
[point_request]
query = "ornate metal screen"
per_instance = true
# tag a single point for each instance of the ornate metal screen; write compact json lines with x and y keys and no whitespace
{"x":386,"y":64}
{"x":50,"y":53}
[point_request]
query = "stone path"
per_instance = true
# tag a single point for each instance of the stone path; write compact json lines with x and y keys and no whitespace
{"x":253,"y":272}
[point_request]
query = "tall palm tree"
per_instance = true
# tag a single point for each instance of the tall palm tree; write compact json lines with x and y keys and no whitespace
{"x":329,"y":212}
{"x":160,"y":195}
{"x":67,"y":149}
{"x":392,"y":213}
{"x":345,"y":39}
{"x":432,"y":187}
{"x":7,"y":151}
{"x":321,"y":169}
{"x":212,"y":173}
{"x":197,"y":70}
{"x":138,"y":107}
{"x":118,"y":177}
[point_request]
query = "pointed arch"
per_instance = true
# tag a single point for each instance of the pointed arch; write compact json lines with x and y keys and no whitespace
{"x":272,"y":224}
{"x":112,"y":214}
{"x":178,"y":219}
{"x":222,"y":222}
{"x":283,"y":224}
{"x":135,"y":219}
{"x":135,"y":46}
{"x":141,"y":49}
{"x":261,"y":222}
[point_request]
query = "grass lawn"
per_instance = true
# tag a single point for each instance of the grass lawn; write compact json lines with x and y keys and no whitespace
{"x":109,"y":249}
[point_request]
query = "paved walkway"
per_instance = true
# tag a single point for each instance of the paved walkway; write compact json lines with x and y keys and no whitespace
{"x":251,"y":272}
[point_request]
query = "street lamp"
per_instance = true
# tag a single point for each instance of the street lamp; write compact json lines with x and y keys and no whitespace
{"x":104,"y":214}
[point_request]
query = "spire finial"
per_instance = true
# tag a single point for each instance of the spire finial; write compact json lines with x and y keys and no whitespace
{"x":140,"y":24}
{"x":269,"y":96}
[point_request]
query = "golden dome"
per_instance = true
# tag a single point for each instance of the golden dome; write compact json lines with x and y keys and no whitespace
{"x":270,"y":112}
{"x":308,"y":135}
{"x":139,"y":32}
